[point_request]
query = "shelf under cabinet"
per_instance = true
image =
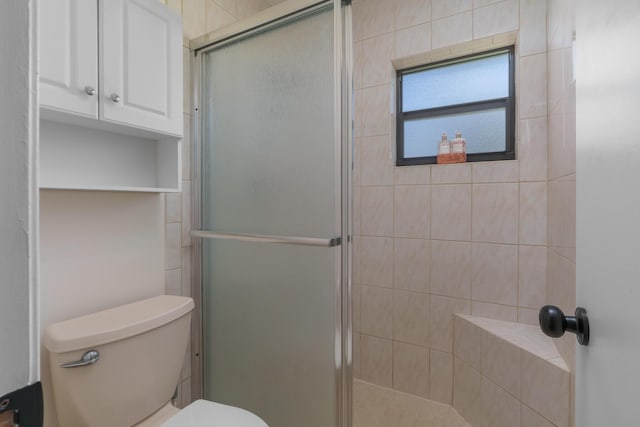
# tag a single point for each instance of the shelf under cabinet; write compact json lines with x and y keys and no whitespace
{"x":79,"y":158}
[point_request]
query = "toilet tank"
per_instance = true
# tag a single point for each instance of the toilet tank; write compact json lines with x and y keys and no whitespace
{"x":142,"y":348}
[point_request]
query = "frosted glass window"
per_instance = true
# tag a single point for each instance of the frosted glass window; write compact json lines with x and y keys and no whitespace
{"x":472,"y":94}
{"x":485,"y":128}
{"x":469,"y":81}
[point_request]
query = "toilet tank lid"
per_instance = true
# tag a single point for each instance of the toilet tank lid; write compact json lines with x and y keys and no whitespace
{"x":116,"y":323}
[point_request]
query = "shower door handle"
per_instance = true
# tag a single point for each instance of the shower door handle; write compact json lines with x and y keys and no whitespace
{"x":263,"y":238}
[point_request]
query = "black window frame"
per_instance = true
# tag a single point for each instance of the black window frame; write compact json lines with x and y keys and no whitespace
{"x":508,"y":103}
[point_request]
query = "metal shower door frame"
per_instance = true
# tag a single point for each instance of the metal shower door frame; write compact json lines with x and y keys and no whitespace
{"x":343,"y":137}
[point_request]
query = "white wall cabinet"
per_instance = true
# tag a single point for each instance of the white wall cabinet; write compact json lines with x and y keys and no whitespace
{"x":68,"y":37}
{"x":114,"y":69}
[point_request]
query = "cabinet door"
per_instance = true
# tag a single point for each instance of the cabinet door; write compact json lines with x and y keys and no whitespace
{"x":69,"y":55}
{"x":141,"y":60}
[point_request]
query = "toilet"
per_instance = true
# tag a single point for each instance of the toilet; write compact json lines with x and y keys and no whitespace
{"x":120,"y":367}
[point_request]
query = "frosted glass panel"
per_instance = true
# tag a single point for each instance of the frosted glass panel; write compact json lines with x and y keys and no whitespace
{"x":485,"y":132}
{"x":269,"y":167}
{"x":269,"y":335}
{"x":477,"y":80}
{"x":269,"y":132}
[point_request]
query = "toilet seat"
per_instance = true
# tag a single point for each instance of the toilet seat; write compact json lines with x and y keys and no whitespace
{"x":203,"y":413}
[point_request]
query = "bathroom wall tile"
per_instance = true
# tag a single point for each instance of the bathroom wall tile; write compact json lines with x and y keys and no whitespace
{"x":376,"y":360}
{"x":377,"y":311}
{"x":503,"y":171}
{"x":230,"y":6}
{"x":441,"y":33}
{"x":358,"y":113}
{"x":498,"y":408}
{"x":496,"y":18}
{"x":530,"y":418}
{"x":442,"y":311}
{"x":356,"y":262}
{"x":217,"y":17}
{"x":411,"y":264}
{"x":562,"y":213}
{"x":411,"y":215}
{"x":533,"y":94}
{"x":172,"y":207}
{"x":407,"y":175}
{"x":562,"y":148}
{"x":358,"y":11}
{"x":441,"y":377}
{"x":451,"y":174}
{"x":376,"y":17}
{"x":533,"y":149}
{"x":175,"y":5}
{"x":467,"y":340}
{"x":186,"y":213}
{"x":444,"y":8}
{"x":377,"y":211}
{"x":532,"y":276}
{"x":467,"y":389}
{"x":528,"y":316}
{"x":377,"y":53}
{"x":501,"y":363}
{"x":451,"y":212}
{"x":376,"y":261}
{"x":494,"y":311}
{"x":451,"y":268}
{"x":173,"y":281}
{"x":411,"y":369}
{"x":358,"y":65}
{"x":186,"y":364}
{"x":357,"y":162}
{"x":533,"y":27}
{"x":411,"y":318}
{"x":483,"y":3}
{"x":186,"y":148}
{"x":356,"y":355}
{"x":555,"y":15}
{"x":250,"y":7}
{"x":555,"y":73}
{"x":186,"y":83}
{"x":186,"y":272}
{"x":377,"y":164}
{"x":356,"y":210}
{"x":546,"y":390}
{"x":561,"y":284}
{"x":494,"y":273}
{"x":355,"y":306}
{"x":172,"y":246}
{"x":412,"y":12}
{"x":533,"y":213}
{"x":413,"y":40}
{"x":375,"y":109}
{"x":194,"y":18}
{"x":495,"y":213}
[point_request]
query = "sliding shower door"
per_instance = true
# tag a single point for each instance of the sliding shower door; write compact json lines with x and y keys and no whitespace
{"x":273,"y":220}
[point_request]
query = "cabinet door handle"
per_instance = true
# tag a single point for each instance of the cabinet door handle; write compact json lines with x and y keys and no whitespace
{"x":115,"y":97}
{"x":89,"y":90}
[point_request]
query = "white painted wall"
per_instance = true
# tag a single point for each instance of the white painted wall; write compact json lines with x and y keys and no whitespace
{"x":18,"y":196}
{"x":98,"y":250}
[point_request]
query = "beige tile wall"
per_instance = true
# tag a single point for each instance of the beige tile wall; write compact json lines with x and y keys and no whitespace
{"x":561,"y":181}
{"x":198,"y":18}
{"x":435,"y":240}
{"x":508,"y":375}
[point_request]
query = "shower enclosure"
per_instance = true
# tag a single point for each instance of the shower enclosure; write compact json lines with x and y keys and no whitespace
{"x":272,"y":99}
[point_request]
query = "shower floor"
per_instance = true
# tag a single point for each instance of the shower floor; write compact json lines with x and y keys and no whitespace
{"x":375,"y":406}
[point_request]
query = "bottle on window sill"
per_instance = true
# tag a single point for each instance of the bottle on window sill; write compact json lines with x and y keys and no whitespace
{"x":444,"y":149}
{"x":459,"y":148}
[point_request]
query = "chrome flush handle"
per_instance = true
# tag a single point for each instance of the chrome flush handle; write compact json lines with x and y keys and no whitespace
{"x":89,"y":358}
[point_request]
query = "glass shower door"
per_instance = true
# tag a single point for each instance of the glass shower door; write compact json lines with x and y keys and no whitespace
{"x":271,"y":221}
